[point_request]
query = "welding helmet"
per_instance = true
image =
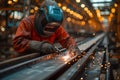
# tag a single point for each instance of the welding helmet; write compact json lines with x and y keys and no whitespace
{"x":48,"y":14}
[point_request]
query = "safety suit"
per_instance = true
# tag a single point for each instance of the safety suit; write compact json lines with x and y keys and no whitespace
{"x":26,"y":33}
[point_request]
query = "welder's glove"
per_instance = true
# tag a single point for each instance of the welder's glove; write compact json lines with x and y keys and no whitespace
{"x":71,"y":49}
{"x":69,"y":43}
{"x":47,"y":48}
{"x":42,"y":47}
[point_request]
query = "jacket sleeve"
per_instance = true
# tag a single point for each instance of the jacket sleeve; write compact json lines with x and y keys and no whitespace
{"x":64,"y":38}
{"x":22,"y":37}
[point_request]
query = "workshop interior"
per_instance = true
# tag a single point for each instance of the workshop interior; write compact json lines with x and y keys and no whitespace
{"x":59,"y":39}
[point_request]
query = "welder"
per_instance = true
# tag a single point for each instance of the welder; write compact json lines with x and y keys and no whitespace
{"x":37,"y":33}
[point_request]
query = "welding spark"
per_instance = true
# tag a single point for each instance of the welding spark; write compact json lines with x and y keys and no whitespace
{"x":66,"y":57}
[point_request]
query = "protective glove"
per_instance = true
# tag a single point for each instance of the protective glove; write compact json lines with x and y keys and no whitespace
{"x":42,"y":47}
{"x":69,"y":43}
{"x":47,"y":48}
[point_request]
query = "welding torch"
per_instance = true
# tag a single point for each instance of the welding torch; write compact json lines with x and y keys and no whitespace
{"x":59,"y":50}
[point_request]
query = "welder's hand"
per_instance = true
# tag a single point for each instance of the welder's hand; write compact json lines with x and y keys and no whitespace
{"x":42,"y":47}
{"x":69,"y":43}
{"x":35,"y":46}
{"x":47,"y":48}
{"x":71,"y":49}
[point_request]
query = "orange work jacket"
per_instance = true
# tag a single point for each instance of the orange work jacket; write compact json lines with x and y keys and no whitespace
{"x":26,"y":32}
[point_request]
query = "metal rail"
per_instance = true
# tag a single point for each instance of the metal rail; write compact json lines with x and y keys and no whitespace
{"x":92,"y":69}
{"x":14,"y":61}
{"x":8,"y":70}
{"x":98,"y":66}
{"x":58,"y":69}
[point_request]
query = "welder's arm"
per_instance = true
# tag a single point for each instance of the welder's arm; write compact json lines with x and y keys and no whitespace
{"x":71,"y":46}
{"x":68,"y":43}
{"x":22,"y":37}
{"x":24,"y":44}
{"x":64,"y":38}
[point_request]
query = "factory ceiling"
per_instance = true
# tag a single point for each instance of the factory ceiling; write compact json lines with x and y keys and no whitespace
{"x":99,"y":10}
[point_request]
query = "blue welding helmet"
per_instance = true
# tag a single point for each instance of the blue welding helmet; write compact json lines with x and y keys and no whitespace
{"x":49,"y":13}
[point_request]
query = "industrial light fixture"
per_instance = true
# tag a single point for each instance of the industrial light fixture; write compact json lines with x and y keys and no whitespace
{"x":86,"y":9}
{"x":113,"y":10}
{"x":64,"y":8}
{"x":15,"y":0}
{"x":115,"y":5}
{"x":9,"y":2}
{"x":111,"y":15}
{"x":2,"y":28}
{"x":68,"y":19}
{"x":68,"y":10}
{"x":32,"y":11}
{"x":71,"y":12}
{"x":36,"y":8}
{"x":100,"y":0}
{"x":77,"y":1}
{"x":88,"y":12}
{"x":59,"y":4}
{"x":82,"y":5}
